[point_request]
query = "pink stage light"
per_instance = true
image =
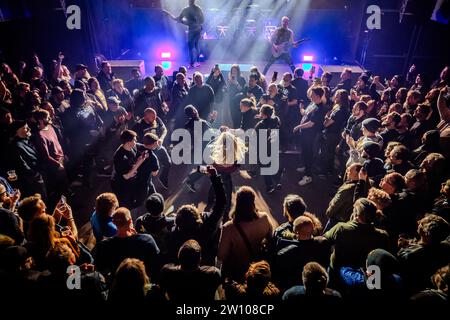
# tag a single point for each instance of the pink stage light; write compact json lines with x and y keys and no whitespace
{"x":308,"y":58}
{"x":166,"y":55}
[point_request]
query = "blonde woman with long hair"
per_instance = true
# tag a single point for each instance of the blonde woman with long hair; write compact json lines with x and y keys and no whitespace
{"x":227,"y":152}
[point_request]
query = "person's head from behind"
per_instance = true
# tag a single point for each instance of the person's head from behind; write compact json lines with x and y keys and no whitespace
{"x":387,"y":263}
{"x":150,"y":141}
{"x":432,"y":229}
{"x":416,"y":180}
{"x":188,"y":218}
{"x":317,"y":94}
{"x":315,"y":278}
{"x":392,"y":183}
{"x":298,"y":73}
{"x":128,"y":138}
{"x":154,"y":204}
{"x":257,"y":280}
{"x":130,"y":281}
{"x":266,"y":111}
{"x":247,"y":104}
{"x":198,"y":79}
{"x":122,"y":219}
{"x":106,"y":67}
{"x":149,"y":115}
{"x":105,"y":205}
{"x":364,"y":211}
{"x":31,"y":207}
{"x":149,"y":83}
{"x":303,"y":228}
{"x":293,"y":207}
{"x":352,"y":171}
{"x":42,"y":231}
{"x":59,"y":257}
{"x":190,"y":255}
{"x":359,"y":109}
{"x":245,"y":207}
{"x":381,"y":198}
{"x":159,"y":71}
{"x":441,"y":279}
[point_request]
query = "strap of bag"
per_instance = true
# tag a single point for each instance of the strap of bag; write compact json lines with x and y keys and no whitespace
{"x":244,"y":237}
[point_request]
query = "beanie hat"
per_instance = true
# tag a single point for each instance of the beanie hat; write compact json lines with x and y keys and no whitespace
{"x":155,"y":204}
{"x":371,"y":124}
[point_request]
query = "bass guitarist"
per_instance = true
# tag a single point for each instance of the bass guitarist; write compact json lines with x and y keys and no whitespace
{"x":191,"y":16}
{"x":281,"y":39}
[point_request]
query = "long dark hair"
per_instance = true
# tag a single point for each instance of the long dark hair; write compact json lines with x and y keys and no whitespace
{"x":245,"y":209}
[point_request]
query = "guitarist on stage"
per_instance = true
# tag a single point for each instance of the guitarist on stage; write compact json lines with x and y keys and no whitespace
{"x":281,"y":37}
{"x":192,"y":16}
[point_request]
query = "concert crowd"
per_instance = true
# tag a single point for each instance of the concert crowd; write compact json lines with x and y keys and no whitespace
{"x":385,"y":144}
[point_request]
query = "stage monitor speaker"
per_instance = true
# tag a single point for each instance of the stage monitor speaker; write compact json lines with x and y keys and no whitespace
{"x":122,"y":68}
{"x":336,"y":71}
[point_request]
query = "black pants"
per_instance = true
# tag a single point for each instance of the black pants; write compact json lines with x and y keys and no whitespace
{"x":143,"y":188}
{"x":235,"y":111}
{"x":286,"y":57}
{"x":228,"y":187}
{"x":193,"y":39}
{"x":307,"y":142}
{"x":165,"y":163}
{"x":125,"y":192}
{"x":328,"y":151}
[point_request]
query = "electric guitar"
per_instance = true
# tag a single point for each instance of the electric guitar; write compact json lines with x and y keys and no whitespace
{"x":278,"y":50}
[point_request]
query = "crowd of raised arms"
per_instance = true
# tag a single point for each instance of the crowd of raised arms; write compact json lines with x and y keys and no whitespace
{"x":385,"y":142}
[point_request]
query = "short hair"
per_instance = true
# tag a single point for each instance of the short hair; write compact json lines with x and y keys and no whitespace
{"x":327,"y":76}
{"x":424,"y":108}
{"x":361,"y":105}
{"x":303,"y":223}
{"x":121,"y":217}
{"x":188,"y":218}
{"x":104,"y":203}
{"x":127,"y":136}
{"x":149,"y":79}
{"x":116,"y":81}
{"x":396,"y":180}
{"x":318,"y":91}
{"x":348,"y":70}
{"x":149,"y":138}
{"x":299,"y":72}
{"x":365,"y":209}
{"x":197,"y":74}
{"x":28,"y":207}
{"x":418,"y":177}
{"x":40,"y":114}
{"x":409,"y":119}
{"x":441,"y":278}
{"x":380,"y":197}
{"x":250,"y":103}
{"x":287,"y":74}
{"x":400,"y":152}
{"x":415,"y":94}
{"x":253,"y":76}
{"x":190,"y":254}
{"x":315,"y":278}
{"x":150,"y":110}
{"x":158,"y":66}
{"x":434,"y":228}
{"x":267,"y":110}
{"x":294,"y":205}
{"x":396,"y":117}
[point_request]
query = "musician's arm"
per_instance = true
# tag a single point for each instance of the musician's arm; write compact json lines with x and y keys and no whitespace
{"x":201,"y":17}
